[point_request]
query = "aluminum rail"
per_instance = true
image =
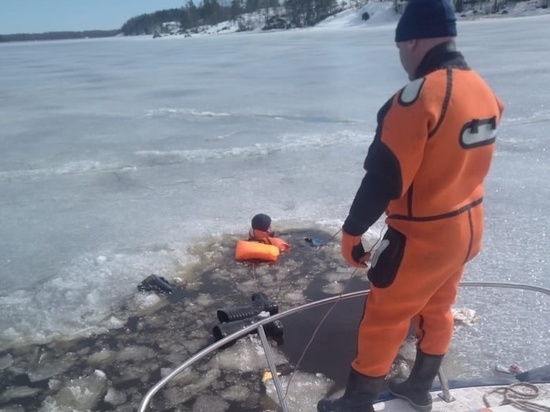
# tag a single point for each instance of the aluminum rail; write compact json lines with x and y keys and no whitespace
{"x":272,"y":368}
{"x":346,"y":296}
{"x":237,"y":335}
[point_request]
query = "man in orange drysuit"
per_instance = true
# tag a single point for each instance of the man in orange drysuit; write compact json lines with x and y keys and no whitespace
{"x":426,"y":167}
{"x":262,"y":231}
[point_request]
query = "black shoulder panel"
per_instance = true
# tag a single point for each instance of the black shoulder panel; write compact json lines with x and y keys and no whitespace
{"x":381,"y":161}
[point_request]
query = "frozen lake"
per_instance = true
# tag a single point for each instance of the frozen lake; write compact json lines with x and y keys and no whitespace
{"x":121,"y":155}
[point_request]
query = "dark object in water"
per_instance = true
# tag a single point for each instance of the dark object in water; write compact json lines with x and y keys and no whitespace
{"x":260,"y":303}
{"x":314,"y":242}
{"x":234,"y":319}
{"x":537,"y":375}
{"x":274,"y":328}
{"x":154,"y":283}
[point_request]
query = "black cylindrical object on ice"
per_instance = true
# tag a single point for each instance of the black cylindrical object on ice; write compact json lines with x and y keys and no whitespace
{"x":274,"y":328}
{"x":260,"y":303}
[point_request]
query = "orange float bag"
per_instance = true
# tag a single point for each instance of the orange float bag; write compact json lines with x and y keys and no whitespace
{"x":247,"y":250}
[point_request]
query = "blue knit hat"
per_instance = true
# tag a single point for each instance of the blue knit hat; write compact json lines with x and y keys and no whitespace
{"x":425,"y":19}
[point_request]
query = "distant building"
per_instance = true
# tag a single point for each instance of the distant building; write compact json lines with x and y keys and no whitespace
{"x":170,"y":26}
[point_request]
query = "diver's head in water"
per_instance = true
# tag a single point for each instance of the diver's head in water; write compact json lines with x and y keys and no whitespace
{"x":261,"y":226}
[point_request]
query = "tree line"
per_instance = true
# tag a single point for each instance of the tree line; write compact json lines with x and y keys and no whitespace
{"x":58,"y":35}
{"x":297,"y":13}
{"x":290,"y":13}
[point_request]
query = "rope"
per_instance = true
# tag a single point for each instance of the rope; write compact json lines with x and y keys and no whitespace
{"x":256,"y":283}
{"x":518,"y":395}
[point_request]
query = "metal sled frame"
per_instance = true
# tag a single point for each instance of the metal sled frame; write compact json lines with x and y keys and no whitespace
{"x":259,"y":327}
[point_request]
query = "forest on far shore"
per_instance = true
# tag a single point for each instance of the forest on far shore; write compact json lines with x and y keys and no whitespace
{"x":58,"y":35}
{"x":277,"y":14}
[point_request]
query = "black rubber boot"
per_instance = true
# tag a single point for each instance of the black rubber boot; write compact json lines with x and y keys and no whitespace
{"x":361,"y":392}
{"x":416,"y":388}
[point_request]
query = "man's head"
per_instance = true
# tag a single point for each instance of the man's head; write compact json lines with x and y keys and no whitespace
{"x":423,"y":25}
{"x":261,"y":222}
{"x":261,"y":227}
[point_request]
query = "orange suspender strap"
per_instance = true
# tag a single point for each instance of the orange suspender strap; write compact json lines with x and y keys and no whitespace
{"x":263,"y":237}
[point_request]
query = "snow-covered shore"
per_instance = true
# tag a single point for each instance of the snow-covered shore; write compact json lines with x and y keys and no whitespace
{"x":379,"y":12}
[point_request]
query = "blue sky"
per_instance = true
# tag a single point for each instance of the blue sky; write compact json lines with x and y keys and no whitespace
{"x":36,"y":16}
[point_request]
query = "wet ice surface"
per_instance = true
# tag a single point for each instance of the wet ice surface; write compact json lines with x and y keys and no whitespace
{"x":114,"y":180}
{"x":113,"y":371}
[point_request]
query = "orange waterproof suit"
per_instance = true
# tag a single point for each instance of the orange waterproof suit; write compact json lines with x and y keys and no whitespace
{"x":426,"y":166}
